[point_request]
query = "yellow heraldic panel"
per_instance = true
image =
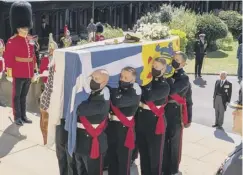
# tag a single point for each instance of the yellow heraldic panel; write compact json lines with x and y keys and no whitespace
{"x":155,"y":49}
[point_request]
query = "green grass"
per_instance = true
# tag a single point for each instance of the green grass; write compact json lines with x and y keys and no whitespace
{"x":217,"y":61}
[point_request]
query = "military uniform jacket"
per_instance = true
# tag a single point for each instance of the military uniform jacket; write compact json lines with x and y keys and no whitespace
{"x":20,"y":56}
{"x":180,"y":84}
{"x":156,"y":91}
{"x":200,"y":48}
{"x":96,"y":110}
{"x":233,"y":164}
{"x":126,"y":100}
{"x":225,"y":91}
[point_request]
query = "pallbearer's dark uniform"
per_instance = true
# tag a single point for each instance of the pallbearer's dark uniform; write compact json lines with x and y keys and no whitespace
{"x":120,"y":130}
{"x":20,"y":58}
{"x":91,"y":143}
{"x":178,"y":112}
{"x":150,"y":126}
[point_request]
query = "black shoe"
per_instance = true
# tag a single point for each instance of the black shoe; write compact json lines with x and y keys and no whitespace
{"x":26,"y":120}
{"x":215,"y":125}
{"x":19,"y":122}
{"x":200,"y":76}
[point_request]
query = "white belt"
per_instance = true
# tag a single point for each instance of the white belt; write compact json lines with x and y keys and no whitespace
{"x":144,"y":106}
{"x":81,"y":126}
{"x":115,"y":118}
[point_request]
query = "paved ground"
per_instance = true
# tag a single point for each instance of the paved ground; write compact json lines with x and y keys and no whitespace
{"x":22,"y":152}
{"x":202,"y":91}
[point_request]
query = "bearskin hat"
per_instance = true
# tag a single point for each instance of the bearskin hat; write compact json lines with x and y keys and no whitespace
{"x":20,"y":15}
{"x":99,"y":28}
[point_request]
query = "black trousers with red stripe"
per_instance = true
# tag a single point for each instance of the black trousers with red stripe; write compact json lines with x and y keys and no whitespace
{"x":119,"y":156}
{"x":20,"y":89}
{"x":173,"y":139}
{"x":149,"y":144}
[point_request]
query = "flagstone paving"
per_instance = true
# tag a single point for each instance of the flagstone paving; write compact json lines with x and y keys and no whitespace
{"x":22,"y":152}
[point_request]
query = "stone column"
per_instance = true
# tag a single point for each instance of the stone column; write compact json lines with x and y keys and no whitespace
{"x":130,"y":16}
{"x":114,"y":19}
{"x":122,"y":17}
{"x":110,"y":16}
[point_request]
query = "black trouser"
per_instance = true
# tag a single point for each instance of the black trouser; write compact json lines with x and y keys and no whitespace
{"x":173,"y":139}
{"x":119,"y":156}
{"x":20,"y":89}
{"x":149,"y":144}
{"x":135,"y":153}
{"x":87,"y":166}
{"x":198,"y":64}
{"x":65,"y":161}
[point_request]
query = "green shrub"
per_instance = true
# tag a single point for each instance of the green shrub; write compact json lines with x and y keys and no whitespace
{"x":183,"y":39}
{"x":164,"y":15}
{"x":185,"y":20}
{"x":81,"y":42}
{"x":233,"y":20}
{"x":213,"y":27}
{"x":110,"y":32}
{"x":226,"y":43}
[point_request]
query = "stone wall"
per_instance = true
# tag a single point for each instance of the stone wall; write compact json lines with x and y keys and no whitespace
{"x":32,"y":98}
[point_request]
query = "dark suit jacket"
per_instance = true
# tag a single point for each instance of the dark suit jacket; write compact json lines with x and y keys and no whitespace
{"x":225,"y":90}
{"x":45,"y":31}
{"x":200,"y":48}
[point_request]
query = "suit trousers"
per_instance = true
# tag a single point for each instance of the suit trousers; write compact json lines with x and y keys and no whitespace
{"x":87,"y":166}
{"x":173,"y":139}
{"x":198,"y":64}
{"x":66,"y":163}
{"x":219,"y":110}
{"x":119,"y":156}
{"x":20,"y":89}
{"x":150,"y":145}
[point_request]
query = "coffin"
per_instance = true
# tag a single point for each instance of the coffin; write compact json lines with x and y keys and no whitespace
{"x":75,"y":64}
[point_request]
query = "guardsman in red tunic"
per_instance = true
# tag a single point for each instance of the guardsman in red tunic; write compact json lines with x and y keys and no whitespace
{"x":120,"y":131}
{"x":99,"y":31}
{"x":2,"y":49}
{"x":178,"y":113}
{"x":91,"y":143}
{"x":20,"y":58}
{"x":150,"y":120}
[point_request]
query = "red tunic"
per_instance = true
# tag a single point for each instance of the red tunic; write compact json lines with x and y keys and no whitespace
{"x":19,"y":56}
{"x":44,"y":67}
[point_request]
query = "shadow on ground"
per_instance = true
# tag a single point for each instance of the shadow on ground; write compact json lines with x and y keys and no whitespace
{"x":32,"y":98}
{"x":7,"y":143}
{"x":221,"y":134}
{"x":200,"y":82}
{"x":217,"y":54}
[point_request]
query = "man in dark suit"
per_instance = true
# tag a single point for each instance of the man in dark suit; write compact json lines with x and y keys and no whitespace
{"x":45,"y":30}
{"x":222,"y":96}
{"x":199,"y":51}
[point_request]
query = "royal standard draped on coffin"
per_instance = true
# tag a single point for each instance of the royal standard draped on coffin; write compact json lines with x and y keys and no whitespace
{"x":73,"y":66}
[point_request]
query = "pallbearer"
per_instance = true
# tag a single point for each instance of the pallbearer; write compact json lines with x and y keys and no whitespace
{"x":91,"y":143}
{"x":121,"y":141}
{"x":20,"y":58}
{"x":178,"y":113}
{"x":150,"y":121}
